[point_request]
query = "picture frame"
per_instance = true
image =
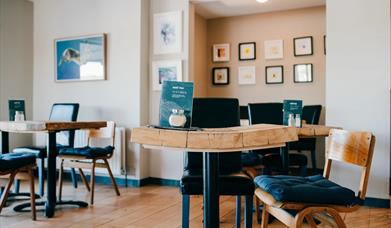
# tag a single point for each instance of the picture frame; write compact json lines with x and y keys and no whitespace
{"x":303,"y":46}
{"x":274,"y":74}
{"x":80,"y":58}
{"x":221,"y":53}
{"x":303,"y":73}
{"x":247,"y":51}
{"x":165,"y":70}
{"x":220,"y":76}
{"x":246,"y":75}
{"x":273,"y":49}
{"x":167,"y":32}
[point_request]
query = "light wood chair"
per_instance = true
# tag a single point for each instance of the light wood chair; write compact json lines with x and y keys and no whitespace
{"x":78,"y":159}
{"x":348,"y":147}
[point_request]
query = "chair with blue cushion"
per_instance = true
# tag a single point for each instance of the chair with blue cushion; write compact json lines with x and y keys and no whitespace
{"x":272,"y":113}
{"x":217,"y":113}
{"x":295,"y":199}
{"x":59,"y":112}
{"x":87,"y":157}
{"x":17,"y":165}
{"x":311,"y":115}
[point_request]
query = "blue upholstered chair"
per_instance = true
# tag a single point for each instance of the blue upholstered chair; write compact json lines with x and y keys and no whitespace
{"x":293,"y":199}
{"x":271,"y":113}
{"x":217,"y":113}
{"x":14,"y":164}
{"x":311,"y":115}
{"x":59,"y":112}
{"x":87,"y":157}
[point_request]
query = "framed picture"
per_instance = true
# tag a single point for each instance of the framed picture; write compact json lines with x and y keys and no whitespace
{"x":274,"y":49}
{"x":167,"y":32}
{"x":80,"y":58}
{"x":303,"y":73}
{"x":274,"y":74}
{"x":324,"y":44}
{"x":246,"y":75}
{"x":220,"y":76}
{"x":165,"y":70}
{"x":303,"y":46}
{"x":247,"y":51}
{"x":221,"y":53}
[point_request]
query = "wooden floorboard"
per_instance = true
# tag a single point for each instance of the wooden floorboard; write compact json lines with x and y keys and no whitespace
{"x":152,"y":206}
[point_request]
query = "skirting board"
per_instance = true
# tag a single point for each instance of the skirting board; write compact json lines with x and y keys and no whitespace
{"x":370,"y":202}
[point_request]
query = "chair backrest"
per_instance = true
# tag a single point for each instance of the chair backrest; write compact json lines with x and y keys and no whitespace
{"x":106,"y":133}
{"x":353,"y":148}
{"x":268,"y":113}
{"x":215,"y":113}
{"x":65,"y":112}
{"x":311,"y":113}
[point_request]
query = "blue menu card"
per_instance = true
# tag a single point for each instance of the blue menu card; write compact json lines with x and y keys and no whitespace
{"x":176,"y":95}
{"x":291,"y":107}
{"x":15,"y":105}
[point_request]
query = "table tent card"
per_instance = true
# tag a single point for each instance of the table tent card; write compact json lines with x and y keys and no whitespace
{"x":176,"y":104}
{"x":291,"y":107}
{"x":14,"y":106}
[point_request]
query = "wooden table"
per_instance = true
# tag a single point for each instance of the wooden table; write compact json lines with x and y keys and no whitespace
{"x":50,"y":128}
{"x":212,"y":142}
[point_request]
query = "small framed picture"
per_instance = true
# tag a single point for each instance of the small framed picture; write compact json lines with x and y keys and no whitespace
{"x":246,"y":75}
{"x":165,"y":71}
{"x":167,"y":33}
{"x":303,"y":46}
{"x":274,"y":49}
{"x":303,"y":73}
{"x":221,"y":53}
{"x":274,"y":74}
{"x":220,"y":76}
{"x":247,"y":51}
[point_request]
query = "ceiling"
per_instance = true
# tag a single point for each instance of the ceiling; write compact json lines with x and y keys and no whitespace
{"x":227,"y":8}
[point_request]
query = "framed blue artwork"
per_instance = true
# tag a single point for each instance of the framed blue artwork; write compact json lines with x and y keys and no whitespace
{"x":80,"y":58}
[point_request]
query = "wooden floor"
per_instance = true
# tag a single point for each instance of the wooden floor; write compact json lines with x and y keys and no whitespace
{"x":152,"y":206}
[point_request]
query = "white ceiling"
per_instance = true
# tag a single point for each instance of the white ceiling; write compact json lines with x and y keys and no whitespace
{"x":228,"y":8}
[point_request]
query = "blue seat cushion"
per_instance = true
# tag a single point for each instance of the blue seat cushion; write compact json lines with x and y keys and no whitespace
{"x":12,"y":161}
{"x":312,"y":189}
{"x":250,"y":159}
{"x":39,"y":151}
{"x":88,"y":152}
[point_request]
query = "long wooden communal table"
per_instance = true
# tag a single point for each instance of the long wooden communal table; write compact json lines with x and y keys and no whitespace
{"x":212,"y":142}
{"x":50,"y":128}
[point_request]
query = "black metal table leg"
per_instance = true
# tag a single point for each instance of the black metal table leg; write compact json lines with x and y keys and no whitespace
{"x":51,"y":175}
{"x":284,"y":153}
{"x":4,"y":142}
{"x":211,"y":190}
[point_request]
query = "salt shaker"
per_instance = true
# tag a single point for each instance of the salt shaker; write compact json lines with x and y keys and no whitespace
{"x":177,"y":118}
{"x":19,"y":116}
{"x":291,"y":120}
{"x":298,"y":120}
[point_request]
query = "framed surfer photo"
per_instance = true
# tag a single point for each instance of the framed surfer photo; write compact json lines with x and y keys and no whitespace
{"x":80,"y":58}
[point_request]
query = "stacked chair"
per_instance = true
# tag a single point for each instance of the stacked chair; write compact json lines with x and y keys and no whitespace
{"x":217,"y":113}
{"x":295,"y":199}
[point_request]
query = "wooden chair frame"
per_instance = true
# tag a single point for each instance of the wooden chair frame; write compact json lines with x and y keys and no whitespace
{"x":24,"y":173}
{"x":348,"y":147}
{"x":80,"y":162}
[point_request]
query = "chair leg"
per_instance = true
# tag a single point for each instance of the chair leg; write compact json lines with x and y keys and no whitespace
{"x":32,"y":195}
{"x":112,"y":177}
{"x":313,"y":159}
{"x":310,"y":221}
{"x":84,"y":179}
{"x":185,"y":211}
{"x":16,"y":186}
{"x":73,"y":177}
{"x":248,"y":211}
{"x":41,"y":176}
{"x":92,"y":181}
{"x":4,"y":195}
{"x":257,"y":205}
{"x":238,"y":211}
{"x":60,"y":179}
{"x":265,"y":216}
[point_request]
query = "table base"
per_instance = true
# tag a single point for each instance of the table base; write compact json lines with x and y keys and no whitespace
{"x":22,"y":207}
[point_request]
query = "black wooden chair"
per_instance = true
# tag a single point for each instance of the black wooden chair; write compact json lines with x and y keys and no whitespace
{"x":217,"y":113}
{"x":17,"y":165}
{"x":311,"y":114}
{"x":59,"y":112}
{"x":271,"y":113}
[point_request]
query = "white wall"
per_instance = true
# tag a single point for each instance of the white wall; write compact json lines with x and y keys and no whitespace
{"x":16,"y":59}
{"x":358,"y":81}
{"x":167,"y":164}
{"x":123,"y":95}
